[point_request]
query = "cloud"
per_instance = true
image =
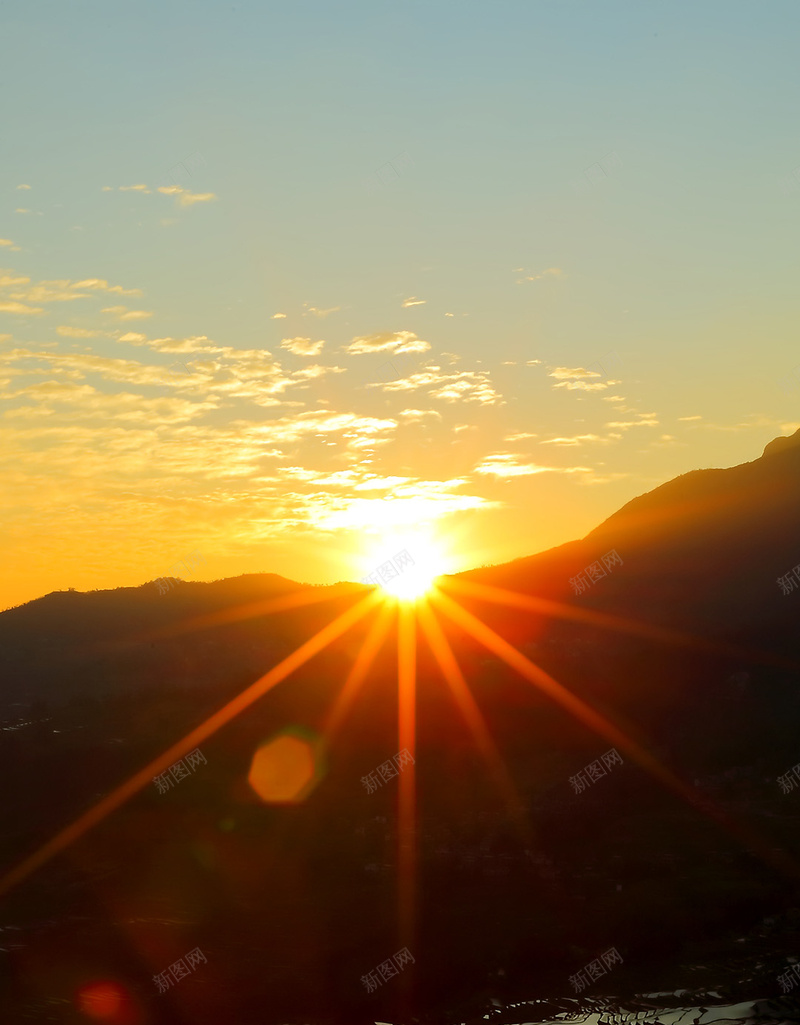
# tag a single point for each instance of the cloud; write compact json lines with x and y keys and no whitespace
{"x":576,"y":372}
{"x":8,"y":242}
{"x":48,"y":292}
{"x":5,"y":338}
{"x":519,"y":437}
{"x":413,"y":301}
{"x":278,"y":316}
{"x":188,"y":198}
{"x":411,"y":504}
{"x":416,"y":415}
{"x":575,"y":379}
{"x":576,"y":439}
{"x":464,"y":386}
{"x":123,"y":313}
{"x":646,"y":420}
{"x":303,"y":346}
{"x":467,"y":386}
{"x":506,"y":464}
{"x":100,"y":285}
{"x":387,"y":341}
{"x":185,"y":197}
{"x":320,"y":313}
{"x":23,"y":186}
{"x":76,"y":332}
{"x":554,"y":272}
{"x":697,"y":417}
{"x":58,"y":290}
{"x":14,"y":307}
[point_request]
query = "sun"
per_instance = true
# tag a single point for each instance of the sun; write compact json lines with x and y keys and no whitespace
{"x":413,"y":583}
{"x":405,"y":565}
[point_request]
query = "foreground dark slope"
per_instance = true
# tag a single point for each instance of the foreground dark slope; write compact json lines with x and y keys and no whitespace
{"x":293,"y":905}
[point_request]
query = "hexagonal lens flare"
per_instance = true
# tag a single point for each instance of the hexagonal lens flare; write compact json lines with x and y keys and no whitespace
{"x":285,"y":769}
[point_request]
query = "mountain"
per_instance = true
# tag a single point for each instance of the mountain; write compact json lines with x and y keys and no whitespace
{"x":683,"y":638}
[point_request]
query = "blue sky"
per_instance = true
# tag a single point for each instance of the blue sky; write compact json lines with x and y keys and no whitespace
{"x":486,"y":185}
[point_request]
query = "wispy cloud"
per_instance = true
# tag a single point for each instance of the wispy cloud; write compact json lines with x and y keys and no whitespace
{"x":123,"y":313}
{"x":507,"y":464}
{"x":303,"y":346}
{"x":313,"y":311}
{"x":387,"y":341}
{"x":15,"y":307}
{"x":101,"y":285}
{"x":76,"y":332}
{"x":576,"y":439}
{"x":413,"y":301}
{"x":184,"y":197}
{"x":645,"y":420}
{"x":554,"y":272}
{"x":579,"y":379}
{"x":464,"y":386}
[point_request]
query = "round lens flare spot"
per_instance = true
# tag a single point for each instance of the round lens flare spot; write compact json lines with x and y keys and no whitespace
{"x":102,"y":1001}
{"x":286,"y":769}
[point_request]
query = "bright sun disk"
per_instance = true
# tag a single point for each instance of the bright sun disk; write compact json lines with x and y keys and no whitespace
{"x":415,"y":561}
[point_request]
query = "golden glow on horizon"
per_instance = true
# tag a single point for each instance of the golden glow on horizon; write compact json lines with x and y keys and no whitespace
{"x":405,"y":565}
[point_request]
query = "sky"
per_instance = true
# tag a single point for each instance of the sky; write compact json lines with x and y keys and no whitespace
{"x":286,"y":287}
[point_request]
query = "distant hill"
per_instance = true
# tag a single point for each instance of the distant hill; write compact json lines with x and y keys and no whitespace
{"x":702,"y":551}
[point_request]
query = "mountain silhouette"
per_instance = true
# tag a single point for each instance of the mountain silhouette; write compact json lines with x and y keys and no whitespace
{"x":683,"y":638}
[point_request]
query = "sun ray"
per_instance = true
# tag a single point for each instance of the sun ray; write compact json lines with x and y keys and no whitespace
{"x":126,"y":790}
{"x":406,"y":740}
{"x":443,"y":653}
{"x":560,"y":610}
{"x":355,"y":678}
{"x":600,"y":724}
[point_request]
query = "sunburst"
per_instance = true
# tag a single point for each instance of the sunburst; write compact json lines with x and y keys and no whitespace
{"x":422,"y":604}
